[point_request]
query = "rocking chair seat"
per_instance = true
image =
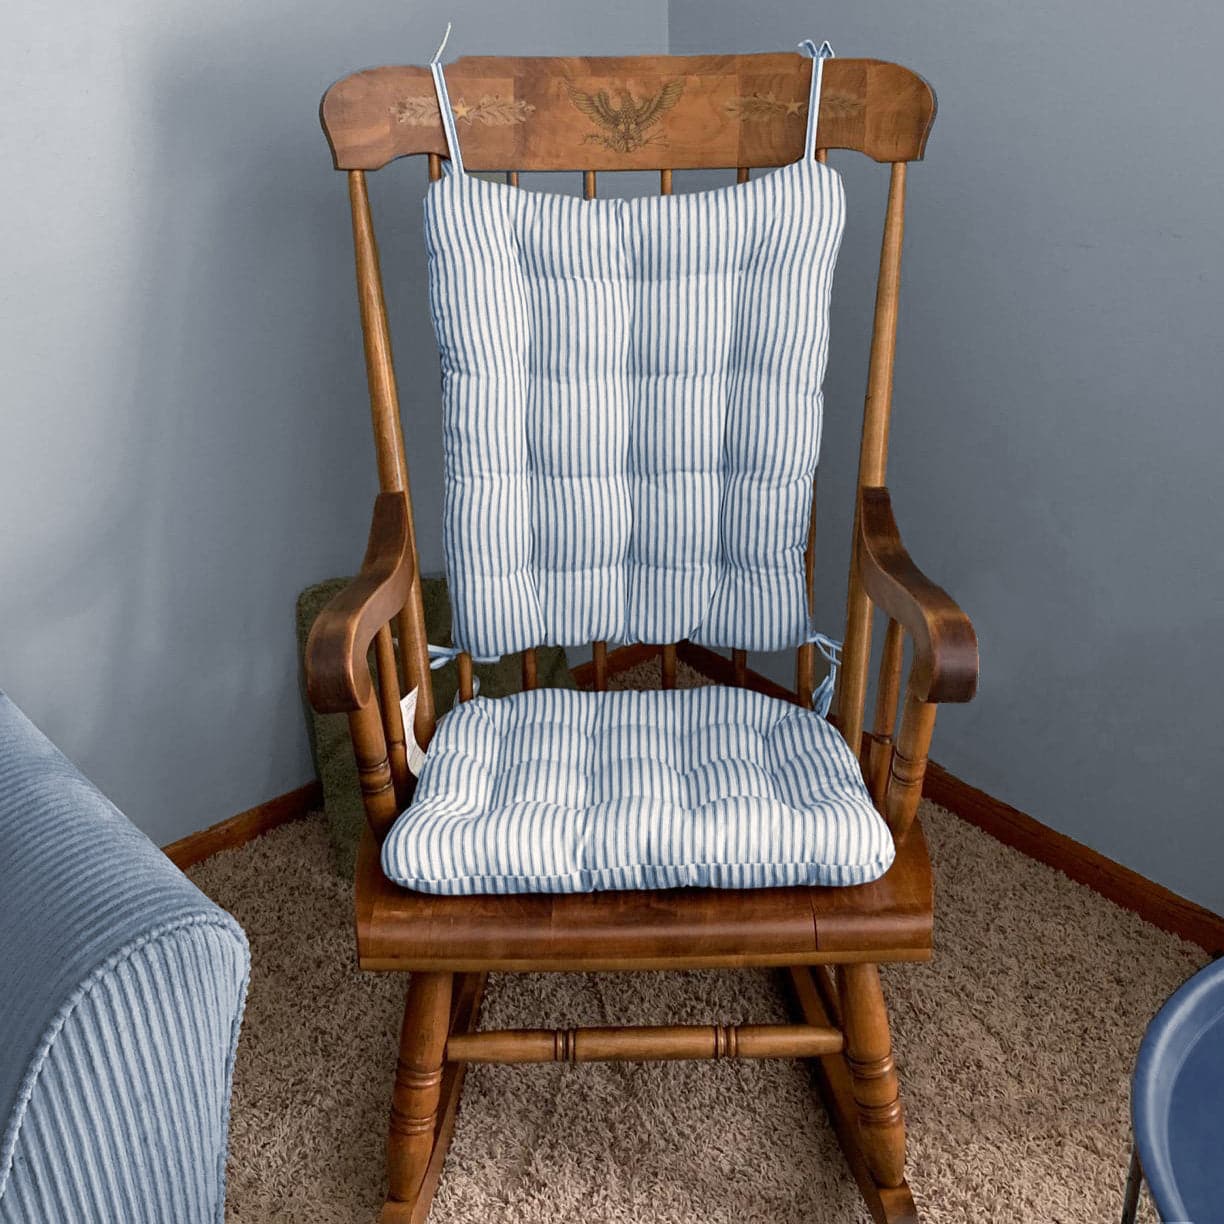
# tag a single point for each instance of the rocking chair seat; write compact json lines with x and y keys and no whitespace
{"x":890,"y":919}
{"x":558,"y":791}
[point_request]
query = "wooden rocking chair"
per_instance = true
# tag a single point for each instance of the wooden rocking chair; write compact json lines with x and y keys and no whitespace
{"x":520,"y":114}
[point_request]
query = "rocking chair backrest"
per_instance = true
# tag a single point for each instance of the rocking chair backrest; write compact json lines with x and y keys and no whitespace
{"x":661,"y":113}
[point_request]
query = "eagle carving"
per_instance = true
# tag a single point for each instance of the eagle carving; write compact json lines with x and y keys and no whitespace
{"x":627,"y":125}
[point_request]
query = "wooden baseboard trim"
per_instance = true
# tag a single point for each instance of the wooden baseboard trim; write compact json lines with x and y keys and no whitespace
{"x":1151,"y":901}
{"x":245,"y":827}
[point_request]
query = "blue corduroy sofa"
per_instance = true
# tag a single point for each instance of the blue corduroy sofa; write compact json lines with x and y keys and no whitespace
{"x":121,"y":995}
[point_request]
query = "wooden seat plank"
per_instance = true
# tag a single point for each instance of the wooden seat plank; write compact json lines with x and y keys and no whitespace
{"x":889,"y":919}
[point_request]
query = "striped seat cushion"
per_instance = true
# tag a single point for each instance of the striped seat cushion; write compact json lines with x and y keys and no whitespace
{"x":563,"y":791}
{"x":632,"y":408}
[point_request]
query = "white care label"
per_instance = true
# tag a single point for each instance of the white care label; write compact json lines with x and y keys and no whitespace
{"x":416,"y":755}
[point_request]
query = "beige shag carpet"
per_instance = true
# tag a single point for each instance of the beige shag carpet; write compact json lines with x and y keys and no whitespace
{"x":1014,"y":1044}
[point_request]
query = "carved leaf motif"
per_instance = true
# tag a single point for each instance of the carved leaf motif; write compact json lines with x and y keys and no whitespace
{"x":840,"y":104}
{"x":497,"y":111}
{"x":757,"y":107}
{"x":492,"y":110}
{"x":416,"y":111}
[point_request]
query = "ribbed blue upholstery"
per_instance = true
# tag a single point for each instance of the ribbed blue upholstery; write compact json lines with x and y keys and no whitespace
{"x":562,"y":791}
{"x":632,"y":408}
{"x":121,"y":995}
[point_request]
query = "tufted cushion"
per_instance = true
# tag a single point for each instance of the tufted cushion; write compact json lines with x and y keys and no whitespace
{"x":557,"y":791}
{"x":632,"y":408}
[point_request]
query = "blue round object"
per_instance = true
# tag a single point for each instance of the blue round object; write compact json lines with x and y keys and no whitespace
{"x":1177,"y":1102}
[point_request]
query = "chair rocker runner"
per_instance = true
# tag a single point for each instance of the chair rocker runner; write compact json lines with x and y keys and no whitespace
{"x":612,"y":370}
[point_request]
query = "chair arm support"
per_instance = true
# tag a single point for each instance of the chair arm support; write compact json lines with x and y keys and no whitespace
{"x":337,"y":650}
{"x":945,"y":663}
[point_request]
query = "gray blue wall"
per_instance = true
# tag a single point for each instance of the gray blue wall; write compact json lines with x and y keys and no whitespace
{"x":183,"y":424}
{"x":1058,"y":439}
{"x":184,"y":442}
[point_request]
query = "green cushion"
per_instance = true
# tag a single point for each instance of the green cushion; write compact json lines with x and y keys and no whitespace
{"x":330,"y":745}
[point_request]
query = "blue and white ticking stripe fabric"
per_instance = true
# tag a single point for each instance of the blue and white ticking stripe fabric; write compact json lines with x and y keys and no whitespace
{"x":632,"y":406}
{"x":121,"y":993}
{"x":560,"y":791}
{"x":632,"y":416}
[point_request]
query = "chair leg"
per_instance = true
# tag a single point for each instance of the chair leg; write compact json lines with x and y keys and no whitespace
{"x":1134,"y":1180}
{"x":877,"y":1094}
{"x":819,"y":1001}
{"x":418,"y":1084}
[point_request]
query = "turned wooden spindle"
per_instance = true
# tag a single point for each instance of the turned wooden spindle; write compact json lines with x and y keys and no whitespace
{"x":879,"y":758}
{"x":648,"y":1043}
{"x":392,"y":714}
{"x":669,"y":665}
{"x":909,"y":762}
{"x":805,"y":656}
{"x":467,"y":686}
{"x":599,"y":658}
{"x":373,"y":769}
{"x":530,"y":668}
{"x":739,"y":667}
{"x":877,"y":1093}
{"x":418,"y":1081}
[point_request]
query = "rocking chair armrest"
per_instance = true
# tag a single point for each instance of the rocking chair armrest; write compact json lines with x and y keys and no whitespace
{"x":945,"y":664}
{"x":337,"y":650}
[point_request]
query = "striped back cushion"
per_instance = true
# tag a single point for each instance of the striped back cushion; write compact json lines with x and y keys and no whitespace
{"x":632,"y":408}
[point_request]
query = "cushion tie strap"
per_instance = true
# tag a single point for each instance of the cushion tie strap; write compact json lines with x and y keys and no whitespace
{"x":440,"y":656}
{"x":444,"y":106}
{"x":822,"y":697}
{"x":817,"y":55}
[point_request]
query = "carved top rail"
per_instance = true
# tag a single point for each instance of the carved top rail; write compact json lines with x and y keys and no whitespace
{"x":628,"y":113}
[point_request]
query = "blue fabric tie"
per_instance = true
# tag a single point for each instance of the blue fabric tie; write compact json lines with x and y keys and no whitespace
{"x":822,"y":696}
{"x":817,"y":55}
{"x":440,"y":656}
{"x":444,"y":106}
